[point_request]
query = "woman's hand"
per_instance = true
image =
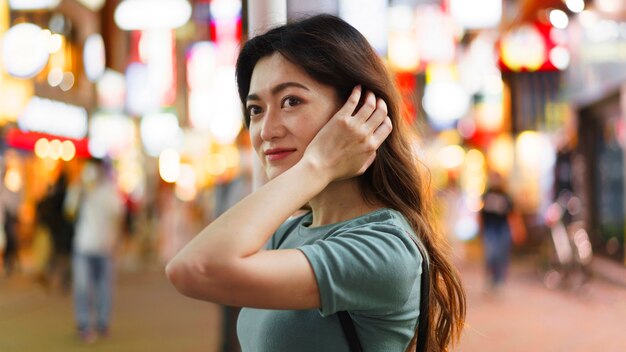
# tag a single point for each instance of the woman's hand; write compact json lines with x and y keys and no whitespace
{"x":346,"y":146}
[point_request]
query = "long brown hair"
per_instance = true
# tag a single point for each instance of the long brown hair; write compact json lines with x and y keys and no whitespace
{"x":336,"y":54}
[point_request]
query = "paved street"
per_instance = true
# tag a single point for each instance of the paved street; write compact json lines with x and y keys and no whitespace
{"x":525,"y":316}
{"x":150,"y":316}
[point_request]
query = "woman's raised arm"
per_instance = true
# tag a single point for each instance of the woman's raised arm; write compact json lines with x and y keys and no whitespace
{"x":225,"y":263}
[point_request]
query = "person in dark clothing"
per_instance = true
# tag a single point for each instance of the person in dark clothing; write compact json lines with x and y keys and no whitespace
{"x":9,"y":204}
{"x":496,"y":231}
{"x":52,"y":216}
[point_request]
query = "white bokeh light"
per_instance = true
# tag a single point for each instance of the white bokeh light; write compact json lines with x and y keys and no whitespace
{"x":445,"y":102}
{"x":559,"y":19}
{"x":151,"y":14}
{"x":25,"y":50}
{"x":576,"y":6}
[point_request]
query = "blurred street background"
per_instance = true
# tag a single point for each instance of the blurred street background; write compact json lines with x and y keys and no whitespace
{"x":533,"y":91}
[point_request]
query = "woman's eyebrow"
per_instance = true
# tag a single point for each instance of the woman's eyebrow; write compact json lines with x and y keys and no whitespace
{"x":278,"y":88}
{"x":285,"y":85}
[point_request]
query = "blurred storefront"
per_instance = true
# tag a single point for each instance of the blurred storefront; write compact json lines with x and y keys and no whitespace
{"x":47,"y":91}
{"x":596,"y":87}
{"x":531,"y":89}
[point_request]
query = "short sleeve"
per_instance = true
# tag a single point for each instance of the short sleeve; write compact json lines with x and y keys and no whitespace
{"x":371,"y":270}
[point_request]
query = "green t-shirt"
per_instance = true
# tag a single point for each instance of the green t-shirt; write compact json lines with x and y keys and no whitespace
{"x":367,"y":266}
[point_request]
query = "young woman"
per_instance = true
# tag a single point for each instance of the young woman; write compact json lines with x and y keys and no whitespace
{"x":320,"y":107}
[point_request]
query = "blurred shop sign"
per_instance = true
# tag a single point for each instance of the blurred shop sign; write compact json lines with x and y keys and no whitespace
{"x":33,"y":4}
{"x":150,"y":14}
{"x":477,"y":13}
{"x":53,"y":117}
{"x":160,"y":131}
{"x":33,"y":141}
{"x":598,"y":64}
{"x":110,"y":134}
{"x":370,"y":18}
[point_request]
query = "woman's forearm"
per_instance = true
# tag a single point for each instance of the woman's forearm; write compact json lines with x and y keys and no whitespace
{"x":245,"y":228}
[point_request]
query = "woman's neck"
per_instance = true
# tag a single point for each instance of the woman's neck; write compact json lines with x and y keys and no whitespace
{"x":340,"y":201}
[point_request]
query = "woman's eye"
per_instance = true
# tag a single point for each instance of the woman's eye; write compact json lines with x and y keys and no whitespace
{"x":253,"y":110}
{"x":291,"y":102}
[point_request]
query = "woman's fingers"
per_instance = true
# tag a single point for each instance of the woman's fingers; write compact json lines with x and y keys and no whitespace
{"x":377,"y":117}
{"x":353,"y":101}
{"x":382,"y":131}
{"x":365,"y":111}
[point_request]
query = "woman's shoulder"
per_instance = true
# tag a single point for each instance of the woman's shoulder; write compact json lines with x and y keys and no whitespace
{"x":384,"y":221}
{"x":382,"y":228}
{"x":286,"y":228}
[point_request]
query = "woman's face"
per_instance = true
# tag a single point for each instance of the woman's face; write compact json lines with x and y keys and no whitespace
{"x":287,"y":108}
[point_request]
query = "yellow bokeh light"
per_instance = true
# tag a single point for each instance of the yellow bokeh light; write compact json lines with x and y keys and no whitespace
{"x":13,"y":180}
{"x":68,"y":150}
{"x":474,"y":160}
{"x":55,"y":149}
{"x":404,"y":52}
{"x":451,"y":157}
{"x":169,"y":165}
{"x":522,"y":48}
{"x":501,"y":154}
{"x":216,"y":164}
{"x":42,"y":148}
{"x":231,"y":153}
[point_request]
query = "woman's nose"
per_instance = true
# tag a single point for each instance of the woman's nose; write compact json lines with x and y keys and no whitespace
{"x":273,"y":126}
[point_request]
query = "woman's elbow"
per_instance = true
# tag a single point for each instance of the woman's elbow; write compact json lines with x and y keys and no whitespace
{"x":179,"y":275}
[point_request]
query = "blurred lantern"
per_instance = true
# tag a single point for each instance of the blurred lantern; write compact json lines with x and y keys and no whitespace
{"x":533,"y":47}
{"x":94,"y":57}
{"x":150,"y":14}
{"x":523,"y":48}
{"x":25,"y":50}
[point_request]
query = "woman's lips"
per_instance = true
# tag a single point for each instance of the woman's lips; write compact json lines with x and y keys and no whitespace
{"x":278,"y":154}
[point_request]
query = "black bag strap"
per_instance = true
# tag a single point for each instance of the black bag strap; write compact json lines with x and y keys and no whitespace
{"x":347,"y":325}
{"x":348,"y":329}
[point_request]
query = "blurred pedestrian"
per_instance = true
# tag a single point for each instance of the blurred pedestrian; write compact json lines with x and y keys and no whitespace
{"x":50,"y":212}
{"x":9,"y":204}
{"x":496,"y":231}
{"x":320,"y":106}
{"x":98,"y":226}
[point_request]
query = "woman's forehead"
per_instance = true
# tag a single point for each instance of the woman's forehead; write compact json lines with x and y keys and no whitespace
{"x":274,"y":69}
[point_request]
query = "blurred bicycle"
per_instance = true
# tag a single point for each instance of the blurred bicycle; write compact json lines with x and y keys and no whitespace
{"x":565,"y":254}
